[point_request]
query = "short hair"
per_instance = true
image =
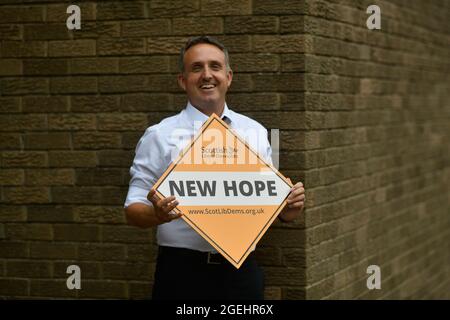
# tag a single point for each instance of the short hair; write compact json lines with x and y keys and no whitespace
{"x":202,"y":39}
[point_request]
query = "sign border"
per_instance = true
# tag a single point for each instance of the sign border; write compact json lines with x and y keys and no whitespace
{"x":189,"y":221}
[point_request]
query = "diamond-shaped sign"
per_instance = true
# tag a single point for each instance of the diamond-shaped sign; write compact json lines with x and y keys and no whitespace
{"x":226,"y":191}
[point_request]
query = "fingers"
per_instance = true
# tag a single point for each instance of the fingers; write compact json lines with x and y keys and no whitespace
{"x":164,"y":209}
{"x":297,"y":186}
{"x":170,"y":206}
{"x":165,"y":202}
{"x":296,"y":195}
{"x":152,"y":197}
{"x":296,"y":199}
{"x":299,"y":204}
{"x":167,"y":217}
{"x":297,"y":192}
{"x":164,"y":206}
{"x":159,"y":203}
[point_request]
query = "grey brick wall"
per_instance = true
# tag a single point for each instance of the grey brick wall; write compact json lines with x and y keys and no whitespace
{"x":363,"y":118}
{"x":377,"y":164}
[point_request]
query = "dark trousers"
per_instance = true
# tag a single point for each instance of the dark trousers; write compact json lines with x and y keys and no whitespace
{"x":184,"y":274}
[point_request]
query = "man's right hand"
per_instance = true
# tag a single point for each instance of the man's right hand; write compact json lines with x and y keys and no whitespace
{"x":163,"y":207}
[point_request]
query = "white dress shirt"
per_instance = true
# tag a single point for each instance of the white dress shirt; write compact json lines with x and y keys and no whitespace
{"x":161,"y":144}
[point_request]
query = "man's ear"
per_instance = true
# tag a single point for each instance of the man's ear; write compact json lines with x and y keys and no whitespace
{"x":229,"y":77}
{"x":181,"y":81}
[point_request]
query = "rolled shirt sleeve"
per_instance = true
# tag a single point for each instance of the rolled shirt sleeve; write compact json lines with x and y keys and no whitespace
{"x":145,"y":169}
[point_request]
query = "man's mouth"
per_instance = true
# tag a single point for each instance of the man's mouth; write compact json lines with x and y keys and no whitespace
{"x":207,"y":86}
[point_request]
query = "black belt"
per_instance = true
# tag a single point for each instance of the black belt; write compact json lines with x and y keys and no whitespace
{"x":199,"y":256}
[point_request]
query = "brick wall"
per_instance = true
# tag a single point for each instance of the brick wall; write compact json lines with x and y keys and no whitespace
{"x":377,"y":163}
{"x":364,"y":120}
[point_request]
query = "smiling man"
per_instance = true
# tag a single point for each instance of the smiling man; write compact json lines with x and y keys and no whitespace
{"x":205,"y":76}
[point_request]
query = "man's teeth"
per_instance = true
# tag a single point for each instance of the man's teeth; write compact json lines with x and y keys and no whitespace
{"x":207,"y":86}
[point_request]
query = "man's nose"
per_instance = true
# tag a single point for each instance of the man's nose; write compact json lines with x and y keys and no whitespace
{"x":207,"y":73}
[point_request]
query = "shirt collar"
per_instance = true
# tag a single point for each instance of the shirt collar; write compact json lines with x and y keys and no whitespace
{"x":194,"y":115}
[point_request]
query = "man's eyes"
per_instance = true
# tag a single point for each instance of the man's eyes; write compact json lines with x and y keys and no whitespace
{"x":215,"y":67}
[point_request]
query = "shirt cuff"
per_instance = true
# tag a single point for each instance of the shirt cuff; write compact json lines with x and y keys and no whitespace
{"x":137,"y":194}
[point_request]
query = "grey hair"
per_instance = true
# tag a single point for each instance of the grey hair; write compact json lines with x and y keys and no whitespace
{"x":203,"y":39}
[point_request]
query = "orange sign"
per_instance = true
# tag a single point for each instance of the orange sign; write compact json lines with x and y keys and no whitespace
{"x":226,"y":191}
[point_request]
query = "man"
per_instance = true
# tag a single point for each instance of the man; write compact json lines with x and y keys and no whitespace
{"x":188,"y":267}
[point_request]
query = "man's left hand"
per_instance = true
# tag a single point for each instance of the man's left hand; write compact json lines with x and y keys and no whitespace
{"x":295,"y":203}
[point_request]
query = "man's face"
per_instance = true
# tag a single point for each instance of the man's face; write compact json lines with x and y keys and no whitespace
{"x":205,"y":78}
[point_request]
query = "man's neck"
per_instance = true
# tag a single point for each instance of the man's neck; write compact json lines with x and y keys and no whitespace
{"x":218,"y":110}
